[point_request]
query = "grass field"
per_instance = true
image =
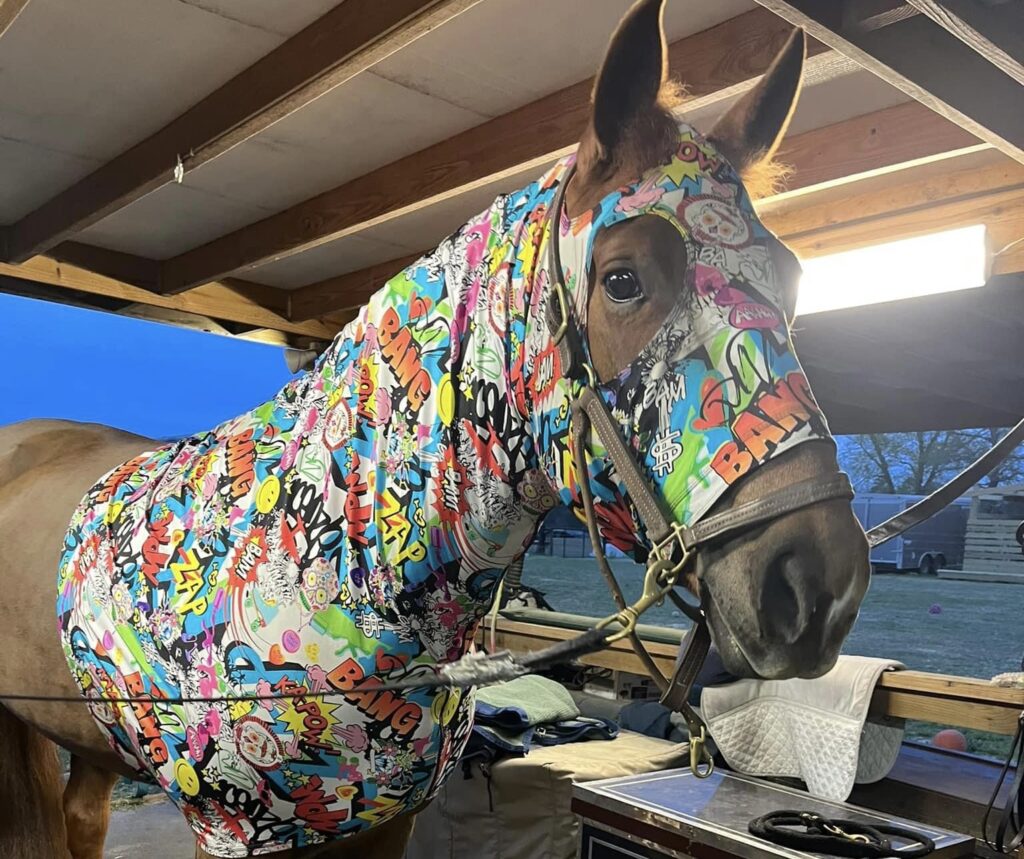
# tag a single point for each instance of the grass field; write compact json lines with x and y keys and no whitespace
{"x":978,"y":633}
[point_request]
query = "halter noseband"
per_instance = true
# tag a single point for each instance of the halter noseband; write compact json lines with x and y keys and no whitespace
{"x":673,"y":545}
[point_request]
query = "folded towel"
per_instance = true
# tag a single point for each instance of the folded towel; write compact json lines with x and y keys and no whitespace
{"x":814,"y":730}
{"x":531,"y":709}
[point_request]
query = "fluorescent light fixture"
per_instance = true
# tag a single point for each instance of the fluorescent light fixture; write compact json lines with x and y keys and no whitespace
{"x":939,"y":262}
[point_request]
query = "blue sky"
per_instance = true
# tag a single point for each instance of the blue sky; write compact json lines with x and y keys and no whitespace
{"x":146,"y":377}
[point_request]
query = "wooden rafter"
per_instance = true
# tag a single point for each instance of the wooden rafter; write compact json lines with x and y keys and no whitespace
{"x":233,"y":301}
{"x":896,"y":138}
{"x":129,"y":268}
{"x":345,"y":290}
{"x":9,"y":11}
{"x":993,"y":29}
{"x":350,"y":38}
{"x":883,"y":141}
{"x":925,"y":61}
{"x":717,"y":63}
{"x":992,"y":195}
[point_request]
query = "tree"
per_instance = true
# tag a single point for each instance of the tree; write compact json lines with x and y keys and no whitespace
{"x":917,"y":463}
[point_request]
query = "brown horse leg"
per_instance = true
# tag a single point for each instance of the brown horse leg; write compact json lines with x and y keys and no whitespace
{"x":387,"y":841}
{"x":31,"y":820}
{"x":87,"y":808}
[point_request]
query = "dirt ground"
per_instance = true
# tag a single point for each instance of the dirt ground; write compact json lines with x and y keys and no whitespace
{"x":152,"y":829}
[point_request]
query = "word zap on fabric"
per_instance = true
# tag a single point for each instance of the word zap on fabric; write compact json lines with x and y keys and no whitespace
{"x":352,"y":530}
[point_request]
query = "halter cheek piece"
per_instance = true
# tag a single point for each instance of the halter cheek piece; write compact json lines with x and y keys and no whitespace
{"x":674,"y":545}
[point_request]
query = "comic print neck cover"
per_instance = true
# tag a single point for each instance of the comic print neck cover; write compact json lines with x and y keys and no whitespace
{"x":352,"y":529}
{"x":718,"y":390}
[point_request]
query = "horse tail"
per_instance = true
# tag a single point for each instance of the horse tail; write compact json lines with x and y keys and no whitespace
{"x":31,"y":791}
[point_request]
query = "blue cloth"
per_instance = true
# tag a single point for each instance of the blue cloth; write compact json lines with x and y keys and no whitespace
{"x":510,"y":717}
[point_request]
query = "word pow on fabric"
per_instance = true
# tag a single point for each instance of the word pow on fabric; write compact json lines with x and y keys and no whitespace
{"x":352,"y":530}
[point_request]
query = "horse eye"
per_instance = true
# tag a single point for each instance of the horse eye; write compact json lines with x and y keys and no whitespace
{"x":622,"y":285}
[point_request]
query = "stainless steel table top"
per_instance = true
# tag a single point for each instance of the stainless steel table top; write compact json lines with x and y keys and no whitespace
{"x":716,"y":811}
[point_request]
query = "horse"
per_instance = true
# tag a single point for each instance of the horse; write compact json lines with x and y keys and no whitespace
{"x":227,"y":603}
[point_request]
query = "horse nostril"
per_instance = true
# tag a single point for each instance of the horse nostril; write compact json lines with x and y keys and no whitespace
{"x":781,"y":605}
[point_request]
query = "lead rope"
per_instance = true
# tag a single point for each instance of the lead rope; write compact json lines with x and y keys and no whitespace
{"x":836,"y":837}
{"x":675,"y":691}
{"x":583,"y":478}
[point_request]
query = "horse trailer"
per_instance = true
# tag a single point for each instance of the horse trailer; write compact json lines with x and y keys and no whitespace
{"x":925,"y":548}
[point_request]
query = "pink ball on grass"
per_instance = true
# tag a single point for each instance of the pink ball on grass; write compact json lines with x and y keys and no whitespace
{"x":950,"y":739}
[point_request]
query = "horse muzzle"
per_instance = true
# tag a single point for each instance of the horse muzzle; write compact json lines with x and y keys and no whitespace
{"x":798,"y":610}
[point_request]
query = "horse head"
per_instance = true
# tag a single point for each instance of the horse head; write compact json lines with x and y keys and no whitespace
{"x":684,"y":301}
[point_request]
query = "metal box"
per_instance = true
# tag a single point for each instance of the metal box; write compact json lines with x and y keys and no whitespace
{"x":674,"y":814}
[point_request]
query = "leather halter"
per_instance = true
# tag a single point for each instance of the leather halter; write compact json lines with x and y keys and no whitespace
{"x":674,"y":545}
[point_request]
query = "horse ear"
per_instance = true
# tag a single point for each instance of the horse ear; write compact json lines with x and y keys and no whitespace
{"x":631,"y":76}
{"x":750,"y":131}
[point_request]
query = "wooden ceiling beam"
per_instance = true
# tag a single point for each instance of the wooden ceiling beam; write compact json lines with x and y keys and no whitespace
{"x":718,"y":63}
{"x":924,"y":61}
{"x":995,"y":30}
{"x":9,"y":11}
{"x":129,"y":268}
{"x":903,"y":137}
{"x":988,"y":195}
{"x":346,"y":290}
{"x":990,"y":211}
{"x":228,"y":300}
{"x":884,"y":141}
{"x":350,"y":38}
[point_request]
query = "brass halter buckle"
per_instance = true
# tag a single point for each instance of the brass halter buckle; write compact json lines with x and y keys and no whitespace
{"x":702,"y":764}
{"x":662,"y":575}
{"x":563,"y":309}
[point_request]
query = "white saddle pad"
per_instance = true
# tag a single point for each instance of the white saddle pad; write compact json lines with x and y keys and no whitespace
{"x":814,"y":730}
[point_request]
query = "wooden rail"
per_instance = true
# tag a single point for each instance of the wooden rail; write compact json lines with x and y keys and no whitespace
{"x":942,"y":699}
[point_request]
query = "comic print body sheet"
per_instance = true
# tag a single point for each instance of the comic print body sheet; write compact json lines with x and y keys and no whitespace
{"x":353,"y":528}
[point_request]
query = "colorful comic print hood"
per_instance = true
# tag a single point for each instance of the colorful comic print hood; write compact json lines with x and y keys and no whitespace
{"x":352,"y":529}
{"x":718,"y":390}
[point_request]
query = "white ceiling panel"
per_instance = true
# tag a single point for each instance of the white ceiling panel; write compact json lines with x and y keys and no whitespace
{"x":504,"y":53}
{"x":365,"y":124}
{"x":852,"y":92}
{"x":272,"y":16}
{"x":90,"y":78}
{"x":170,"y":221}
{"x":348,"y":254}
{"x":28,"y":173}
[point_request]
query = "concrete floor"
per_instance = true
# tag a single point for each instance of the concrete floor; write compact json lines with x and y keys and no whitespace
{"x":152,"y":830}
